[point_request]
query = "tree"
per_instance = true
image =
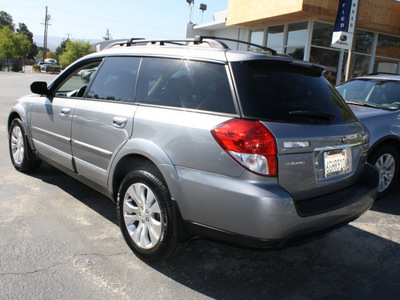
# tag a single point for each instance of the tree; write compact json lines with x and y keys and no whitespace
{"x":74,"y":51}
{"x":6,"y":20}
{"x":39,"y":55}
{"x":23,"y":29}
{"x":33,"y":52}
{"x":108,"y":36}
{"x":12,"y":45}
{"x":51,"y":54}
{"x":62,"y":48}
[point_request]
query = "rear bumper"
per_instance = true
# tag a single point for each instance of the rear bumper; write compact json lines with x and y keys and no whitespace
{"x":264,"y":215}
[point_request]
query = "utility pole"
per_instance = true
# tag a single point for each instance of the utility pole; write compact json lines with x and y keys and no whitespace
{"x":46,"y":25}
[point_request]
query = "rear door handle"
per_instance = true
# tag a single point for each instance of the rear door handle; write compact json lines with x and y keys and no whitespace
{"x":119,"y":122}
{"x":65,"y":111}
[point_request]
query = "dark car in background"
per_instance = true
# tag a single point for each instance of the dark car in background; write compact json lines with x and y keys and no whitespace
{"x":375,"y":99}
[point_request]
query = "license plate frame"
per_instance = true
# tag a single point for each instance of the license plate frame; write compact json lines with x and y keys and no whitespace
{"x":337,"y":162}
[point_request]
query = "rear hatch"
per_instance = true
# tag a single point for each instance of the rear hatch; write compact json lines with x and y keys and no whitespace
{"x":321,"y":146}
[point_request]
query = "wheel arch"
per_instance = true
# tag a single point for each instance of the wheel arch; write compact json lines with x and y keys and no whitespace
{"x":388,"y":140}
{"x":19,"y":113}
{"x":139,"y":153}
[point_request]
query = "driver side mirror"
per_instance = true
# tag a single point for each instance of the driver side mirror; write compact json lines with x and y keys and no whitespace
{"x":39,"y":87}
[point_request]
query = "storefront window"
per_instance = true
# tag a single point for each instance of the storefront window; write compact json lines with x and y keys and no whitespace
{"x":329,"y":59}
{"x":360,"y":65}
{"x":386,"y":65}
{"x":364,"y":41}
{"x":275,"y":38}
{"x":297,"y":38}
{"x":322,"y":34}
{"x":257,"y":37}
{"x":388,"y":46}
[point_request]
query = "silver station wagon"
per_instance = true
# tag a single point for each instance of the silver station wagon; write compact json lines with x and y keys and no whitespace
{"x":191,"y":138}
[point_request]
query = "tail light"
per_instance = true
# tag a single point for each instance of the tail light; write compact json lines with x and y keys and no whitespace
{"x":250,"y":143}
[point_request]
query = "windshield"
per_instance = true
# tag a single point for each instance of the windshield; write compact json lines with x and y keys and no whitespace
{"x":286,"y":92}
{"x":372,"y":92}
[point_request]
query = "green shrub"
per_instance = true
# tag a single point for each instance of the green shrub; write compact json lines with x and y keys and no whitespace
{"x":16,"y":66}
{"x":53,"y":69}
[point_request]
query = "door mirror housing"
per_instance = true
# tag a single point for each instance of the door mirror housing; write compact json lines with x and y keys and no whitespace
{"x":39,"y":87}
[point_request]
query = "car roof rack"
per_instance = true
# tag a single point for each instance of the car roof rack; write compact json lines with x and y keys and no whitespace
{"x":211,"y":41}
{"x":200,"y":38}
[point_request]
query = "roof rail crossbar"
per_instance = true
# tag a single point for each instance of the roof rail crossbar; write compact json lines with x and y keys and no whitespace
{"x":212,"y":41}
{"x":200,"y":38}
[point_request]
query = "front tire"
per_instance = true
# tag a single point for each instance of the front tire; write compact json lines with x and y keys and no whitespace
{"x":386,"y":159}
{"x":147,"y":216}
{"x":21,"y":154}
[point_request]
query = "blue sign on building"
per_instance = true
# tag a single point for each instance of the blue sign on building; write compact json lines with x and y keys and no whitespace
{"x":345,"y":24}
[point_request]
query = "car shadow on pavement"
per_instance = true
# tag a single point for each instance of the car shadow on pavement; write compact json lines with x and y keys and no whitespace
{"x":349,"y":263}
{"x":86,"y":195}
{"x":390,"y":204}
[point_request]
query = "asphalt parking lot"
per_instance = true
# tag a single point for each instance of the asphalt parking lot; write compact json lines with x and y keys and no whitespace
{"x":60,"y":240}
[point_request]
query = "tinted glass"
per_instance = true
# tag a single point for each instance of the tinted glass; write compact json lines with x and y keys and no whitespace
{"x":75,"y":85}
{"x":116,"y":79}
{"x":322,"y":34}
{"x":284,"y":92}
{"x":183,"y":83}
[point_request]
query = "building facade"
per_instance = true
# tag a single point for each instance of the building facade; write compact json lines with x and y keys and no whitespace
{"x":303,"y":29}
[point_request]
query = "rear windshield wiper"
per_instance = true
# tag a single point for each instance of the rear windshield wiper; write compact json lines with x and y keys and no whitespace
{"x":361,"y":103}
{"x":313,"y":114}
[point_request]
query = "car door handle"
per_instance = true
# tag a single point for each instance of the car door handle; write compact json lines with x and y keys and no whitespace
{"x":119,"y":122}
{"x":65,"y":111}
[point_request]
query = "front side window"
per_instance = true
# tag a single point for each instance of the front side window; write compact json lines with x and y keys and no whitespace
{"x":184,"y":83}
{"x":116,"y":80}
{"x":76,"y":83}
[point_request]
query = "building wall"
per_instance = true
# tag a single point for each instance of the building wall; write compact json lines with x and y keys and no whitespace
{"x":377,"y":15}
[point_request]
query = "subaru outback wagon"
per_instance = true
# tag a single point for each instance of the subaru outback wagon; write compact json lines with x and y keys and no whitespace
{"x":191,"y":138}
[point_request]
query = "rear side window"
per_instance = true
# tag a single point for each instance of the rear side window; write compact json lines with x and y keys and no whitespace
{"x":187,"y":84}
{"x":115,"y":80}
{"x":284,"y":92}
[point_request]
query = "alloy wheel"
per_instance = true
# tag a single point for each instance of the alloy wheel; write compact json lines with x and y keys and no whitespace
{"x":142,"y":215}
{"x":17,"y":145}
{"x":386,"y":166}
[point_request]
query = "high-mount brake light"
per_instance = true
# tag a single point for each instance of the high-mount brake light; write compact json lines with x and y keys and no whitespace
{"x":250,"y":143}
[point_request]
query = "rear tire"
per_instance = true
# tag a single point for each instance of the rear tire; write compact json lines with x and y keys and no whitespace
{"x":21,"y":154}
{"x":386,"y":159}
{"x":147,"y":216}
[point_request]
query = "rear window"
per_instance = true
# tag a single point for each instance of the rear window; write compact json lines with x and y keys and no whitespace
{"x":285,"y":92}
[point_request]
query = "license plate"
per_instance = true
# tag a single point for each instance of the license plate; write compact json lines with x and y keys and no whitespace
{"x":337,"y":163}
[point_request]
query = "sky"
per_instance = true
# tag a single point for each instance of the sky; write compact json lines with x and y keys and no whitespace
{"x":90,"y":19}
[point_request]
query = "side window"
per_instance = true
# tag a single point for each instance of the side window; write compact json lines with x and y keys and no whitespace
{"x":116,"y":79}
{"x":76,"y":83}
{"x":183,"y":83}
